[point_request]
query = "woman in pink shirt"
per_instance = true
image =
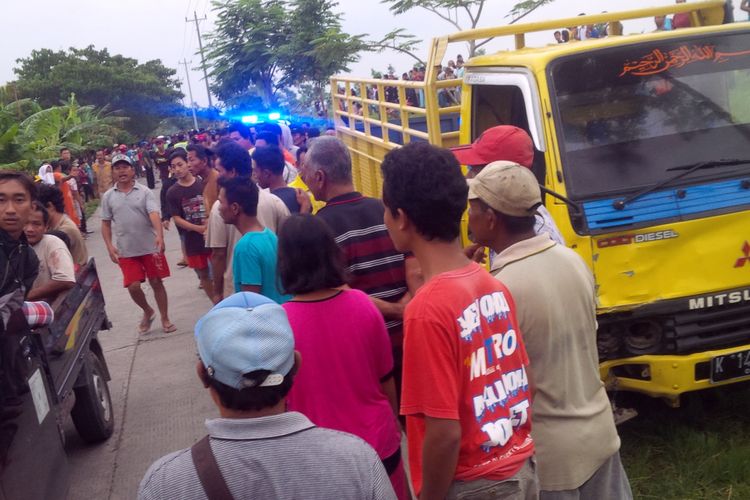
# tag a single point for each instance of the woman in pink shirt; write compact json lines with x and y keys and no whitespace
{"x":345,"y":381}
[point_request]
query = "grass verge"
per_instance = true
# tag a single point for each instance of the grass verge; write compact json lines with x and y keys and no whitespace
{"x":90,"y":207}
{"x":698,"y":451}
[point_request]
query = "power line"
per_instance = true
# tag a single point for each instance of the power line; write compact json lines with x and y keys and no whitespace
{"x":190,"y":92}
{"x":203,"y":59}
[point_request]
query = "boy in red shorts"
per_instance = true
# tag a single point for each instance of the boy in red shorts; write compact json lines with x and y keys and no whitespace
{"x":186,"y":204}
{"x":465,"y":394}
{"x":140,"y":242}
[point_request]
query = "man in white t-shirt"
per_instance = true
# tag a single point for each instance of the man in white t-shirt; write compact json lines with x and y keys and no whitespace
{"x":56,"y":268}
{"x":232,"y":160}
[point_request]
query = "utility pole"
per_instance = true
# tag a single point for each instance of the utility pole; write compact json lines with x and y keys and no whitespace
{"x":190,"y":91}
{"x":200,"y":45}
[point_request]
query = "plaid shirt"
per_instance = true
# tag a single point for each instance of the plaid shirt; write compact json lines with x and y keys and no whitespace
{"x":38,"y":314}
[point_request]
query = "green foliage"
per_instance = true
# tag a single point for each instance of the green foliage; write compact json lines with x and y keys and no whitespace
{"x":243,"y":49}
{"x":521,"y":9}
{"x":400,"y":41}
{"x":260,"y":48}
{"x":701,"y":450}
{"x":31,"y":134}
{"x":318,"y":48}
{"x":143,"y":91}
{"x":401,"y":6}
{"x":304,"y":100}
{"x":185,"y":122}
{"x":91,"y":206}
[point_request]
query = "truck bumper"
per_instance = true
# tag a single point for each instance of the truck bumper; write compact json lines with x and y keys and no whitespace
{"x":666,"y":376}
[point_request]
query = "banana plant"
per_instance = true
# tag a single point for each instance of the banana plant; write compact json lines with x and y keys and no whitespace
{"x":30,"y":135}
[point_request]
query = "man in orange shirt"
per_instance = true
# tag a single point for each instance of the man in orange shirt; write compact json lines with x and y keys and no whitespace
{"x":465,"y":394}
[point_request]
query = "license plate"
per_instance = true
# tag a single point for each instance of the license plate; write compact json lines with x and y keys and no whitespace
{"x":735,"y":365}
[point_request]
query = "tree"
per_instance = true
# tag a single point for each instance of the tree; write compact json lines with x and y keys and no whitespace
{"x":31,"y":134}
{"x":207,"y":119}
{"x":304,"y":101}
{"x":261,"y":48}
{"x":317,"y":47}
{"x":145,"y":92}
{"x":449,"y":11}
{"x":243,"y":49}
{"x":400,"y":41}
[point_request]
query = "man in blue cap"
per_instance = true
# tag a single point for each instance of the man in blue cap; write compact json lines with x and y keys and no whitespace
{"x":256,"y":449}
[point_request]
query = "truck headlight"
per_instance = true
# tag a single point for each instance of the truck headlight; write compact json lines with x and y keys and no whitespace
{"x":643,"y":337}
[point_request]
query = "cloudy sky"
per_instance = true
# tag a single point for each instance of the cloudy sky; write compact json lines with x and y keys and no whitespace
{"x":156,"y":29}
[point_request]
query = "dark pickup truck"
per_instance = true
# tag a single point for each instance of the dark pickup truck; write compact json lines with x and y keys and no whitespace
{"x":45,"y":374}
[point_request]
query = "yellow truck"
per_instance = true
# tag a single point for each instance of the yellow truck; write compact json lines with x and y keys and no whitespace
{"x":643,"y":150}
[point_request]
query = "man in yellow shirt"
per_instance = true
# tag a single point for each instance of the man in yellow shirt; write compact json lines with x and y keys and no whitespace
{"x":103,"y":172}
{"x":312,"y":205}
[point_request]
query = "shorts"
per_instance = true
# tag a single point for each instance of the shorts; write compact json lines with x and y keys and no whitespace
{"x":523,"y":485}
{"x":151,"y":266}
{"x":199,"y":261}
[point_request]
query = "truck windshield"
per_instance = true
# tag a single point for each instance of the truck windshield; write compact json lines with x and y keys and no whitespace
{"x":628,"y":115}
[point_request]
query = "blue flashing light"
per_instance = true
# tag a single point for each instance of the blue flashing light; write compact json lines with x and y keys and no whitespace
{"x":249,"y":119}
{"x":274,"y":116}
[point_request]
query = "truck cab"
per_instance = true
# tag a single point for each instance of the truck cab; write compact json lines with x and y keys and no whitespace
{"x":643,"y":148}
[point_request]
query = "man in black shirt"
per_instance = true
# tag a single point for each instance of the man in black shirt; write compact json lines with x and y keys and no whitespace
{"x":19,"y":265}
{"x":372,"y":262}
{"x":186,"y":206}
{"x":269,"y":172}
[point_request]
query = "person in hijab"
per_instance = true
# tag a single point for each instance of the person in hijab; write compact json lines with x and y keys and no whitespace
{"x":46,"y":175}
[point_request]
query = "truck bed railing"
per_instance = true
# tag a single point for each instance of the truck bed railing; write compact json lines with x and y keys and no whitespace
{"x":361,"y":103}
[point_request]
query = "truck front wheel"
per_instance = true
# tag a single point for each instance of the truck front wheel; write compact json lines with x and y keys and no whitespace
{"x":92,"y":413}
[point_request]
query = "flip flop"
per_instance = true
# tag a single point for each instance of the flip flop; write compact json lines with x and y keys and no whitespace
{"x":145,"y":329}
{"x":169,"y":329}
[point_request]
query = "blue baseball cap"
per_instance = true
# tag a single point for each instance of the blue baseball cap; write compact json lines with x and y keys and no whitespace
{"x":244,"y":333}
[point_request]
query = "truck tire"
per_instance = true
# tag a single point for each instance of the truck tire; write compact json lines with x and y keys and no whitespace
{"x":92,"y":412}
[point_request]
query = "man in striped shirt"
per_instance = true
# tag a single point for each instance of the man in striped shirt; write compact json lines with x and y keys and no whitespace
{"x":373,"y":264}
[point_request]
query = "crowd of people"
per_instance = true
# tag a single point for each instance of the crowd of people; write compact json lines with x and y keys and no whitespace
{"x":414,"y":97}
{"x":588,"y":31}
{"x":341,"y":321}
{"x":662,"y":23}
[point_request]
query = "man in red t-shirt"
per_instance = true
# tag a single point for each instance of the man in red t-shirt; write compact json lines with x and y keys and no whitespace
{"x":465,"y":394}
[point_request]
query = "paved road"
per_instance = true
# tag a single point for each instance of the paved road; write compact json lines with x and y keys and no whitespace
{"x":159,"y":404}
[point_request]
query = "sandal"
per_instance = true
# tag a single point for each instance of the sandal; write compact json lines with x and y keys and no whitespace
{"x":146,"y":327}
{"x":169,"y":329}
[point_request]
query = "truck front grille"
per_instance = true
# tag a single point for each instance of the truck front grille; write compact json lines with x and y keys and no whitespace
{"x":635,"y":333}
